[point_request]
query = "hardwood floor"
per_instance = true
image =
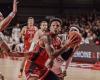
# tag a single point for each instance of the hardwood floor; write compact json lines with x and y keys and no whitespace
{"x":10,"y":68}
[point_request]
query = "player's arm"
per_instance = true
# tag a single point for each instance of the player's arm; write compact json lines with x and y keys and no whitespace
{"x":51,"y":52}
{"x":34,"y":41}
{"x":4,"y":46}
{"x":22,"y":33}
{"x":4,"y":23}
{"x":54,"y":53}
{"x":66,"y":63}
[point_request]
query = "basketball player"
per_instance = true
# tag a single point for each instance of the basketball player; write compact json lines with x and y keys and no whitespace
{"x":62,"y":62}
{"x":16,"y":33}
{"x":38,"y":34}
{"x":4,"y":22}
{"x":28,"y":33}
{"x":48,"y":46}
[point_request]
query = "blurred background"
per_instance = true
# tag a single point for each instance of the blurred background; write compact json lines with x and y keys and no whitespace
{"x":83,"y":13}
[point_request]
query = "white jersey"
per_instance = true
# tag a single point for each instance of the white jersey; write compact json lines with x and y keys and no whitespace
{"x":63,"y":37}
{"x":16,"y":34}
{"x":16,"y":31}
{"x":1,"y":36}
{"x":20,"y":47}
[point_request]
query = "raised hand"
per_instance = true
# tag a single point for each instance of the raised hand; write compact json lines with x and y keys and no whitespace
{"x":15,"y":6}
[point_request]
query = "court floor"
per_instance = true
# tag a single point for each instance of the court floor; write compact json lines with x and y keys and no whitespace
{"x":10,"y":68}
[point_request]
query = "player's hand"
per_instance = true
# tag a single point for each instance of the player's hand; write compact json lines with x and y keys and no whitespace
{"x":49,"y":63}
{"x":71,"y":42}
{"x":15,"y":6}
{"x":68,"y":43}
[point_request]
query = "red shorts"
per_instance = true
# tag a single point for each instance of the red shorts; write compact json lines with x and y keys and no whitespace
{"x":32,"y":69}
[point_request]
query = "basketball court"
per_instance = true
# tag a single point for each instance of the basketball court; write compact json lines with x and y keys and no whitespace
{"x":10,"y":69}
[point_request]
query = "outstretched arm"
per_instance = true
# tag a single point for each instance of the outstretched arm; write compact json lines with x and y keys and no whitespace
{"x":54,"y":53}
{"x":34,"y":41}
{"x":4,"y":23}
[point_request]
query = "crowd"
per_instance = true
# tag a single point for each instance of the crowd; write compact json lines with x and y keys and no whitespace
{"x":48,"y":47}
{"x":90,"y":30}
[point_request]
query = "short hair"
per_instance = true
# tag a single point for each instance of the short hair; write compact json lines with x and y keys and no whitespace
{"x":43,"y":22}
{"x":56,"y":19}
{"x":30,"y":18}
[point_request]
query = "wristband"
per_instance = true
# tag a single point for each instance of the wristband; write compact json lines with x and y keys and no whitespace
{"x":12,"y":14}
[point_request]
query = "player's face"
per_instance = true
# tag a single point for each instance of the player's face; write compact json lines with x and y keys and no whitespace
{"x":55,"y":27}
{"x":1,"y":17}
{"x":30,"y":22}
{"x":44,"y":26}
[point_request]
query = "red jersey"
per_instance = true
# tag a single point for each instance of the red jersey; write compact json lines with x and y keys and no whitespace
{"x":40,"y":58}
{"x":28,"y":38}
{"x":56,"y":43}
{"x":43,"y":55}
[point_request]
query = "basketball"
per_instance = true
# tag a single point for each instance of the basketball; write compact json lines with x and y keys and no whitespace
{"x":75,"y":37}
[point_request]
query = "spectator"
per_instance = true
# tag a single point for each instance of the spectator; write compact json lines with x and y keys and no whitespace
{"x":16,"y":33}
